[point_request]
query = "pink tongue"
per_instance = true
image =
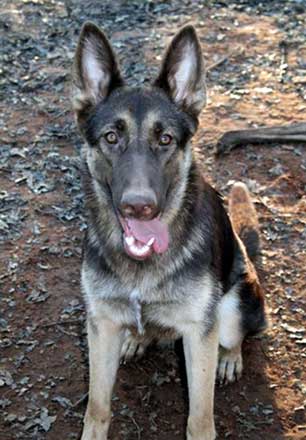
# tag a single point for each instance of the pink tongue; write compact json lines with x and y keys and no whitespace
{"x":145,"y":230}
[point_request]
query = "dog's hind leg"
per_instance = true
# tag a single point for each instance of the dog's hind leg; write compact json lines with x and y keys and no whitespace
{"x":241,"y":313}
{"x":230,"y":338}
{"x":104,"y":341}
{"x":242,"y":308}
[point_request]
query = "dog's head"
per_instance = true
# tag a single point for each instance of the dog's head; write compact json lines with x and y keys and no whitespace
{"x":137,"y":138}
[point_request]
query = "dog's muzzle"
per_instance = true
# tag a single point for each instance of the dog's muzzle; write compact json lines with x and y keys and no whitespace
{"x":143,"y":238}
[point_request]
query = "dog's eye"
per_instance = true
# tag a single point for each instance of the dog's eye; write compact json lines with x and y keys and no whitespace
{"x":111,"y":137}
{"x":165,"y":139}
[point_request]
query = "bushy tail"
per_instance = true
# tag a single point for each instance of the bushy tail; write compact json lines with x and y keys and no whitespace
{"x":244,"y":218}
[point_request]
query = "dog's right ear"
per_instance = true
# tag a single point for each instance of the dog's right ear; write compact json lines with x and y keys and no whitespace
{"x":96,"y":72}
{"x":182,"y":75}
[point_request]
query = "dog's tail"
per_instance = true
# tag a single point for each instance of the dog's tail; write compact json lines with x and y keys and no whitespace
{"x":244,"y":218}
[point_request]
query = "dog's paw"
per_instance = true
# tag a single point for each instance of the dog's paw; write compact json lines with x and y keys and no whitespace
{"x":132,"y":346}
{"x":93,"y":432}
{"x":206,"y":436}
{"x":230,"y":365}
{"x":196,"y":430}
{"x":96,"y":423}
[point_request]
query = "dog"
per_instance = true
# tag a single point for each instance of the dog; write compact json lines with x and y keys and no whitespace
{"x":161,"y":256}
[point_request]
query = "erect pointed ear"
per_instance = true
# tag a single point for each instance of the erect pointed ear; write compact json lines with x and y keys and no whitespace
{"x":182,"y":74}
{"x":96,"y":71}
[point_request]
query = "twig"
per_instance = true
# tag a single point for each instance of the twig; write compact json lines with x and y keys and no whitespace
{"x":217,"y":63}
{"x":137,"y":427}
{"x":68,"y":333}
{"x":283,"y":64}
{"x":224,"y":59}
{"x":272,"y":210}
{"x":118,"y":415}
{"x":81,"y":400}
{"x":68,"y":321}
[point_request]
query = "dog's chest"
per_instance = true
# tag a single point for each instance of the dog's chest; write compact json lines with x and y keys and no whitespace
{"x":166,"y":312}
{"x":136,"y":306}
{"x":144,"y":310}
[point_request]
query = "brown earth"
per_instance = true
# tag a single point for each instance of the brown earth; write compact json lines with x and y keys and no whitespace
{"x":260,"y":81}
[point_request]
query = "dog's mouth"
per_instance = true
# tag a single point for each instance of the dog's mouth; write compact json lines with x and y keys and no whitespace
{"x":143,"y":238}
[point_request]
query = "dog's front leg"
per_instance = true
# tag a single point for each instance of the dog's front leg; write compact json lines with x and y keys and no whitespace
{"x":104,"y":341}
{"x":201,"y":353}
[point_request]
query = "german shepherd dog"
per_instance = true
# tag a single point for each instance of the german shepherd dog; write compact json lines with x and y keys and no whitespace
{"x":161,"y":256}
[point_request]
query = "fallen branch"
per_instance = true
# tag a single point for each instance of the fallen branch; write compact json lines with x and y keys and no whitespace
{"x":281,"y":134}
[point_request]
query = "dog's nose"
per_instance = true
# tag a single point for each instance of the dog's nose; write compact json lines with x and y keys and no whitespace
{"x":141,"y":206}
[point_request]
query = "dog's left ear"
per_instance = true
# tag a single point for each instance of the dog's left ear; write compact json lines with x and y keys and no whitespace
{"x":182,"y":74}
{"x":96,"y":71}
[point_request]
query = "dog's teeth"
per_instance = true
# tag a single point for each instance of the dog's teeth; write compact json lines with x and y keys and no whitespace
{"x":130,"y":240}
{"x":151,"y":241}
{"x":139,"y":251}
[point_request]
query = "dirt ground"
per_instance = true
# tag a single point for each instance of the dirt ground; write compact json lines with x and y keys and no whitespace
{"x":257,"y":54}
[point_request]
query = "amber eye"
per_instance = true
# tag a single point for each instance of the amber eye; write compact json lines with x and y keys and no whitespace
{"x":165,"y":139}
{"x":111,"y":137}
